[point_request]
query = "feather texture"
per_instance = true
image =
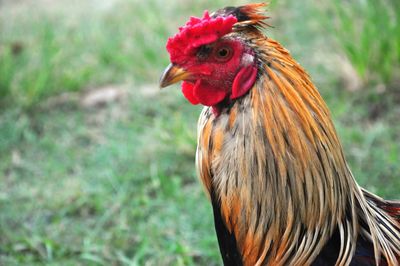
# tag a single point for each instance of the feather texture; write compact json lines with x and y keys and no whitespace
{"x":274,"y":167}
{"x":268,"y":154}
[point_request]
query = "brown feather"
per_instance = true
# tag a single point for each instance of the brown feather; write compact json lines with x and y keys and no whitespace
{"x":275,"y":162}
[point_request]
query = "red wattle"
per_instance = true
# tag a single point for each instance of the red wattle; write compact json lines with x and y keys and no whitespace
{"x":188,"y":92}
{"x":243,"y":81}
{"x":207,"y":94}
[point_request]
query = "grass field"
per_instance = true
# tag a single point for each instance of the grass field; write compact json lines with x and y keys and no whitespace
{"x":97,"y":164}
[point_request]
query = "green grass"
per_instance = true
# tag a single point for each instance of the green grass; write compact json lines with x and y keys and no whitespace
{"x":115,"y":184}
{"x":68,"y":47}
{"x":103,"y":186}
{"x":369,"y":33}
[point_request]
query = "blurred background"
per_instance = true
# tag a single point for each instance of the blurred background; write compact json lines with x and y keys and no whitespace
{"x":97,"y":164}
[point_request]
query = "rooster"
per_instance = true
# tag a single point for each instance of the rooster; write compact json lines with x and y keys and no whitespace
{"x":268,"y":154}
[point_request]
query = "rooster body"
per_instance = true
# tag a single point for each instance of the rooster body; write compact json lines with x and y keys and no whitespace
{"x":268,"y":154}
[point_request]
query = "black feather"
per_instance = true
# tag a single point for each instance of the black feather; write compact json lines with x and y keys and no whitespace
{"x":230,"y":10}
{"x":226,"y":240}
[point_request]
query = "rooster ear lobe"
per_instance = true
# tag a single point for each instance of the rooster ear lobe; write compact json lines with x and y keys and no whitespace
{"x":243,"y":81}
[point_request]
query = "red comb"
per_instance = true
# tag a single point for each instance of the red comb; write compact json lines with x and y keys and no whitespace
{"x":197,"y":32}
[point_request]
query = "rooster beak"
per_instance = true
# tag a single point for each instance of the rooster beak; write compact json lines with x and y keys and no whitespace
{"x":173,"y":74}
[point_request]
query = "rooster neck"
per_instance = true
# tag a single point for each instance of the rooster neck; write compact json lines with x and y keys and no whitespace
{"x":266,"y":169}
{"x":276,"y":170}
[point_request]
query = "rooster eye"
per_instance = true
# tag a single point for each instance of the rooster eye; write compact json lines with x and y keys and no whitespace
{"x":223,"y":53}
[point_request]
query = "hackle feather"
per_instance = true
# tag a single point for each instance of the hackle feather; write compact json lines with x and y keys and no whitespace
{"x":273,"y":162}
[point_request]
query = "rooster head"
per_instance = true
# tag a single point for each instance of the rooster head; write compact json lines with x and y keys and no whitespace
{"x":209,"y":56}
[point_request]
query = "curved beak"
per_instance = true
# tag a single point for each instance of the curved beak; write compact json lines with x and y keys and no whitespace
{"x":172,"y":74}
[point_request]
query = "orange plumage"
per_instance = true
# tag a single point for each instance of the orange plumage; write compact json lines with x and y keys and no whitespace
{"x":269,"y":156}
